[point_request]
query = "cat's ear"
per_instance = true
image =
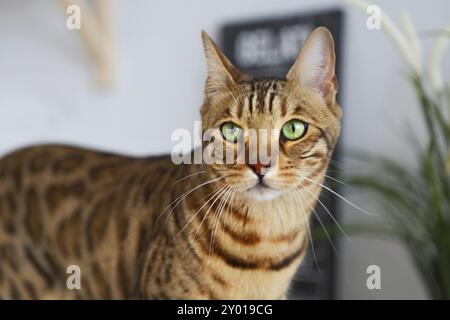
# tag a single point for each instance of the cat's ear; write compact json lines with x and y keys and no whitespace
{"x":222,"y":74}
{"x":314,"y":67}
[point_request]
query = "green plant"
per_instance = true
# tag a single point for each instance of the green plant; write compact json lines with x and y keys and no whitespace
{"x":417,"y":197}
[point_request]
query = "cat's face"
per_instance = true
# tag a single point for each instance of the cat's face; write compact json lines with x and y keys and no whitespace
{"x":294,"y":121}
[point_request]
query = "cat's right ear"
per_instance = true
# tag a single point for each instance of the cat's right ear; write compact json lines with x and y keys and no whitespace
{"x":222,"y":74}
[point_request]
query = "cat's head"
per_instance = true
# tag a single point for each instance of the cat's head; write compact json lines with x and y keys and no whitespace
{"x":295,"y":121}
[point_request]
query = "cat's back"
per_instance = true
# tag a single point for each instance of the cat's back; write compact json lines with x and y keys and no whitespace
{"x":53,"y":172}
{"x":52,"y":163}
{"x":60,"y":204}
{"x":55,"y":160}
{"x":50,"y":180}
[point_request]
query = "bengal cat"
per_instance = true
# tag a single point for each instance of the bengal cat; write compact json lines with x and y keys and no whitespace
{"x":146,"y":228}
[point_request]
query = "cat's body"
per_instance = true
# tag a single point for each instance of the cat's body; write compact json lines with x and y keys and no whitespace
{"x":63,"y":206}
{"x":148,"y":228}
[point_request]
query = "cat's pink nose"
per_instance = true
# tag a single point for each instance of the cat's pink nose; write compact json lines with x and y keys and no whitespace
{"x":258,"y":168}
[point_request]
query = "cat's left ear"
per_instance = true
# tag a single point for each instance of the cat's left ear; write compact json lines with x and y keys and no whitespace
{"x":222,"y":74}
{"x":315,"y":65}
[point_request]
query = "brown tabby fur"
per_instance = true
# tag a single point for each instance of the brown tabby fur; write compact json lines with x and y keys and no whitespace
{"x":105,"y":213}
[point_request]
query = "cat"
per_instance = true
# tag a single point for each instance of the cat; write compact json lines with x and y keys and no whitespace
{"x":146,"y":228}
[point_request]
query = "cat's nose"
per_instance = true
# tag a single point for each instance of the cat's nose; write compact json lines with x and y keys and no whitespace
{"x":258,"y":168}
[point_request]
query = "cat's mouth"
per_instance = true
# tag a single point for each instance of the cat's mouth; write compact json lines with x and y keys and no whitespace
{"x":262,"y":192}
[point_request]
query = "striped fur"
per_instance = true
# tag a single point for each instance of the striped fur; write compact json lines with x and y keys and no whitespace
{"x":145,"y":228}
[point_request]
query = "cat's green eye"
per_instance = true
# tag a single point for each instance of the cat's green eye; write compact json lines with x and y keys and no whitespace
{"x":294,"y":129}
{"x":231,"y":131}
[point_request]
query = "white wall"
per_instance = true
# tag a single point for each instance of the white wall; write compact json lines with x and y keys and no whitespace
{"x":47,"y":92}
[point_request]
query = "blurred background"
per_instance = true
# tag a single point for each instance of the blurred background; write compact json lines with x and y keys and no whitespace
{"x":49,"y":92}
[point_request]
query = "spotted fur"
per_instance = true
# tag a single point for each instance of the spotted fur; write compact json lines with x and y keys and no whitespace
{"x":145,"y":228}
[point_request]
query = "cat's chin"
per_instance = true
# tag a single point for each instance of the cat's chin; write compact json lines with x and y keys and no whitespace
{"x":260,"y":193}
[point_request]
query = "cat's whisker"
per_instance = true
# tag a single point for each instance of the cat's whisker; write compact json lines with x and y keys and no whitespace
{"x":216,"y":213}
{"x":327,"y":176}
{"x":219,"y":214}
{"x":210,"y":207}
{"x":337,"y":164}
{"x":334,"y":171}
{"x":197,"y":212}
{"x":329,"y":213}
{"x":318,"y":219}
{"x":338,"y":195}
{"x":322,"y":225}
{"x":178,"y":200}
{"x":190,"y":175}
{"x":200,"y":172}
{"x":220,"y":207}
{"x":230,"y":203}
{"x":334,"y":179}
{"x":307,"y":226}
